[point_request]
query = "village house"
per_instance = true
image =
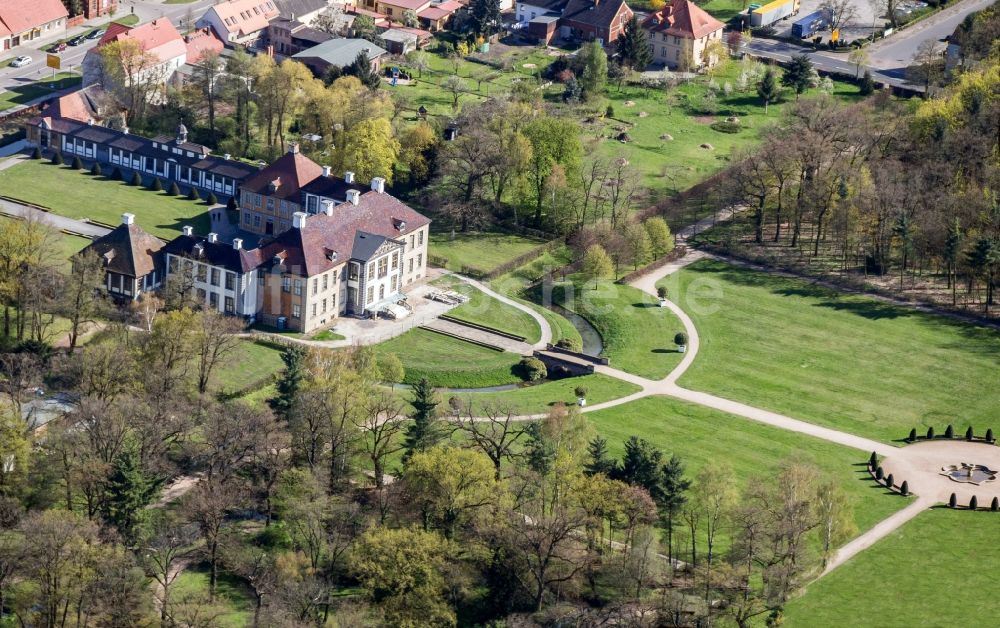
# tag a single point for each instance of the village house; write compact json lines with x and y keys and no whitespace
{"x":158,"y":38}
{"x":436,"y":17}
{"x":172,"y":159}
{"x":340,"y":53}
{"x":131,"y":260}
{"x":680,"y":33}
{"x":240,"y":22}
{"x":268,"y":199}
{"x":287,"y":37}
{"x":97,"y":8}
{"x":601,"y":20}
{"x":303,"y":11}
{"x":22,"y":22}
{"x":219,"y":276}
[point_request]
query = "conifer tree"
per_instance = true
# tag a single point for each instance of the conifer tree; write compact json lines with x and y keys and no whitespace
{"x":424,"y":432}
{"x":633,"y":46}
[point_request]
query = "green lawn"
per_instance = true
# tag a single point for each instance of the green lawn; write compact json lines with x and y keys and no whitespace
{"x":233,"y":597}
{"x":701,"y":436}
{"x":449,"y":362}
{"x":724,"y":10}
{"x":23,"y":94}
{"x":481,"y":251}
{"x":77,"y":194}
{"x":638,"y":335}
{"x":540,"y":398}
{"x":483,"y":309}
{"x":936,"y":570}
{"x":250,"y":362}
{"x":846,"y":362}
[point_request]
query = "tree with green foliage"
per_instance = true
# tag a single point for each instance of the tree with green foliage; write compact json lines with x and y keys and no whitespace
{"x":637,"y":243}
{"x":36,"y":153}
{"x":969,"y":433}
{"x":949,"y":432}
{"x":212,"y":199}
{"x":904,"y":488}
{"x":595,"y":70}
{"x":174,"y":189}
{"x":597,"y":264}
{"x":129,"y":490}
{"x":913,"y":435}
{"x":363,"y":27}
{"x":78,"y":302}
{"x":363,"y":70}
{"x":372,"y":149}
{"x":15,"y":449}
{"x":156,"y":185}
{"x":660,"y":239}
{"x":873,"y":460}
{"x":192,"y":194}
{"x":953,"y":501}
{"x":867,"y":86}
{"x":484,"y":17}
{"x":633,"y":46}
{"x":952,"y":247}
{"x":425,"y":431}
{"x":973,"y":503}
{"x":553,"y":141}
{"x":291,"y":380}
{"x":57,"y":159}
{"x":402,"y":573}
{"x":930,"y":433}
{"x":983,"y":259}
{"x":904,"y":231}
{"x":450,"y":486}
{"x":390,"y":369}
{"x":136,"y":180}
{"x":76,"y":164}
{"x":95,"y":170}
{"x":598,"y":459}
{"x":767,"y":88}
{"x":798,"y":75}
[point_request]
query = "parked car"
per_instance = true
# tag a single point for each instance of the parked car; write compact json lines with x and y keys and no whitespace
{"x":96,"y":34}
{"x":20,"y":62}
{"x":58,"y":47}
{"x":76,"y":41}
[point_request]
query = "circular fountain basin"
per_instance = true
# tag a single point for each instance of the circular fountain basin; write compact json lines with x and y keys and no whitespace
{"x":969,"y":473}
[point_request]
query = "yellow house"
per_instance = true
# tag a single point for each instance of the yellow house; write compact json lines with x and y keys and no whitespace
{"x":679,"y":33}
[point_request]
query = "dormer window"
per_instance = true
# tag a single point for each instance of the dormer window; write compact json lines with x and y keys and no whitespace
{"x":402,"y":226}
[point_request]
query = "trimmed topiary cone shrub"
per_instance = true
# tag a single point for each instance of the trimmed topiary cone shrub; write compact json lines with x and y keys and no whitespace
{"x":879,"y":473}
{"x":989,"y":435}
{"x":37,"y":153}
{"x":969,"y":434}
{"x":973,"y":503}
{"x":930,"y":432}
{"x":136,"y":180}
{"x":873,"y":461}
{"x":904,"y":488}
{"x":95,"y":170}
{"x":156,"y":185}
{"x":76,"y":164}
{"x":952,"y":501}
{"x":193,"y":194}
{"x":57,"y":158}
{"x":231,"y":204}
{"x":212,"y":199}
{"x":949,"y":432}
{"x":116,"y":175}
{"x":174,"y":190}
{"x":995,"y":504}
{"x":913,"y":435}
{"x":889,"y":481}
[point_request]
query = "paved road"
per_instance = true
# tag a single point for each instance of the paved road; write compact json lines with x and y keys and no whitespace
{"x":11,"y":208}
{"x":889,"y":57}
{"x":72,"y":57}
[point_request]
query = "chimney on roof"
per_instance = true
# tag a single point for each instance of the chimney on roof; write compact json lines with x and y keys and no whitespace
{"x":128,"y":219}
{"x":237,"y":243}
{"x":348,"y":177}
{"x":299,"y":220}
{"x":326,"y":171}
{"x":326,"y":207}
{"x":353,"y":197}
{"x":182,"y":133}
{"x":293,"y":148}
{"x":213,"y":238}
{"x":378,"y":185}
{"x":187,"y":230}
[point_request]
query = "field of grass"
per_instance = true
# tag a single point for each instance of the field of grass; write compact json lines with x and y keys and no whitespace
{"x":540,"y":398}
{"x":77,"y":194}
{"x":846,"y":362}
{"x":701,"y":436}
{"x":638,"y":335}
{"x":250,"y":362}
{"x":518,"y":279}
{"x":936,"y":570}
{"x":724,"y":10}
{"x":483,"y":309}
{"x":234,"y":599}
{"x":449,"y":362}
{"x":482,"y":251}
{"x":23,"y":94}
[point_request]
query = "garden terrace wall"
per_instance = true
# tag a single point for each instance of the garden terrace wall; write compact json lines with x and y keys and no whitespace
{"x":506,"y":267}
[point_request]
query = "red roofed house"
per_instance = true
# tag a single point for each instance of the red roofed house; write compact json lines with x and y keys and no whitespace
{"x":22,"y":21}
{"x":269,"y":198}
{"x":97,"y":8}
{"x":680,"y":32}
{"x":603,"y":20}
{"x":394,"y":9}
{"x":241,"y":22}
{"x":202,"y":41}
{"x":159,"y":38}
{"x":437,"y":16}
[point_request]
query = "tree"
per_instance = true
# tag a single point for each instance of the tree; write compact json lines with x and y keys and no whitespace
{"x":672,"y":499}
{"x":81,"y":295}
{"x":380,"y":427}
{"x":952,"y":247}
{"x":983,"y":259}
{"x":410,"y":19}
{"x":206,"y":78}
{"x":840,"y":13}
{"x":449,"y":486}
{"x":554,"y":141}
{"x":638,"y":245}
{"x":660,"y":239}
{"x":363,"y":27}
{"x":424,"y":432}
{"x":633,"y":46}
{"x":867,"y":87}
{"x":595,"y":70}
{"x":156,"y":185}
{"x":859,"y":57}
{"x":798,"y":75}
{"x":161,"y":554}
{"x":419,"y":60}
{"x":456,"y":86}
{"x":903,"y":229}
{"x":207,"y":505}
{"x":291,"y":380}
{"x":366,"y":73}
{"x":214,"y":339}
{"x":15,"y":451}
{"x":401,"y":571}
{"x":767,"y":88}
{"x":496,"y":436}
{"x":927,"y":66}
{"x":596,"y":264}
{"x":598,"y":460}
{"x":484,"y":17}
{"x":256,"y":566}
{"x":133,"y":74}
{"x":129,"y":491}
{"x":76,"y":164}
{"x":372,"y":149}
{"x":836,"y":519}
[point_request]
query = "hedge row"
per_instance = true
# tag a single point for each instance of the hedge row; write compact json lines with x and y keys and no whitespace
{"x":879,"y":475}
{"x":949,"y":433}
{"x":974,"y":504}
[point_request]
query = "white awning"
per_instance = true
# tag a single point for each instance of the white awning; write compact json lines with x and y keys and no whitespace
{"x":396,"y":311}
